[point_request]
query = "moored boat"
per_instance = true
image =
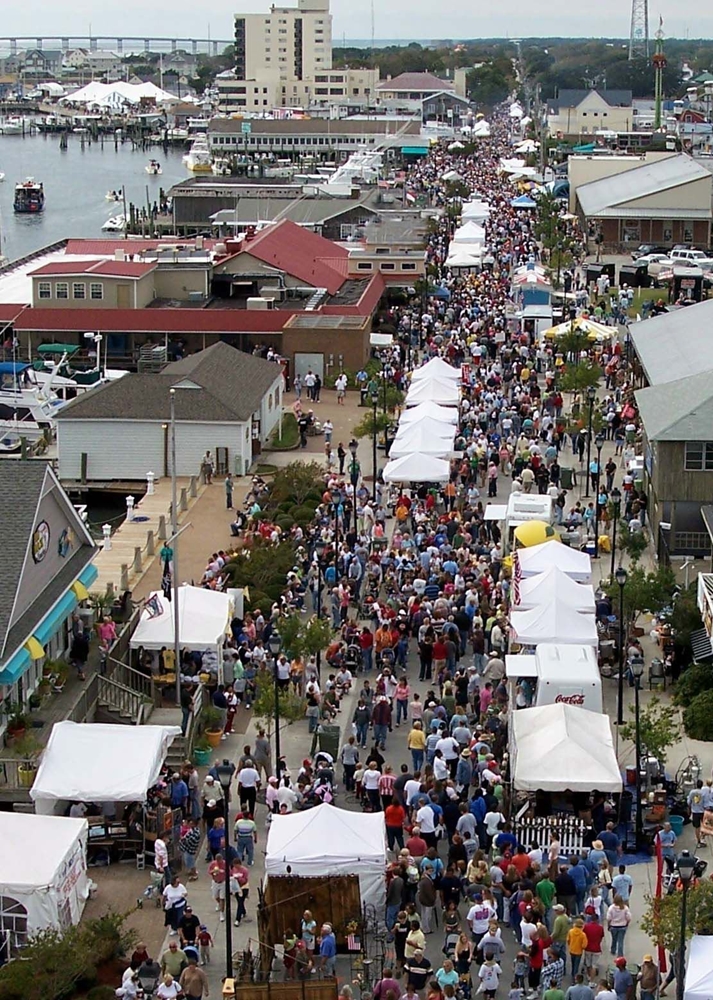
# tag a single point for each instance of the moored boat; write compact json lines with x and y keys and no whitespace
{"x":29,"y":197}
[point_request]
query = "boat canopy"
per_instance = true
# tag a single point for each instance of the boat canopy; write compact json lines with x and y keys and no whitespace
{"x":13,"y":367}
{"x":58,"y":349}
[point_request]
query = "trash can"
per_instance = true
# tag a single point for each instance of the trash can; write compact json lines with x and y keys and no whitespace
{"x":566,"y":478}
{"x":329,"y":738}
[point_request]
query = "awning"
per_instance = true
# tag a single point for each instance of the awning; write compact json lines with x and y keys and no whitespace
{"x":701,"y":646}
{"x":34,"y":648}
{"x":15,"y":666}
{"x":51,"y":622}
{"x":88,"y":575}
{"x":414,"y":150}
{"x":80,"y":591}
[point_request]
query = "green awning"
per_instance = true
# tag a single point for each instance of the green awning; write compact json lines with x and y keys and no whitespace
{"x":414,"y":150}
{"x":58,"y":349}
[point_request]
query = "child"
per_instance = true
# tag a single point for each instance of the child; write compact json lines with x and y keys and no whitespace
{"x":489,"y":975}
{"x":521,"y":967}
{"x":516,"y":991}
{"x":205,"y":943}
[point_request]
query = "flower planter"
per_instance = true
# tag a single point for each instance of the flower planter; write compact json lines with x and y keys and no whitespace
{"x":213,"y":736}
{"x":26,"y":774}
{"x":202,"y":757}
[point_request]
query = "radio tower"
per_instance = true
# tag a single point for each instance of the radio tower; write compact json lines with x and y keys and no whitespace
{"x":639,"y":36}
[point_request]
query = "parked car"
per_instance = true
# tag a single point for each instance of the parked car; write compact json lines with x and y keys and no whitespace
{"x":655,"y":263}
{"x":693,"y":258}
{"x":647,"y":248}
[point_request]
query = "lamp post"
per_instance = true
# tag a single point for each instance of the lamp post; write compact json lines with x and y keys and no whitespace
{"x":319,"y":547}
{"x":616,"y":501}
{"x":174,"y":543}
{"x":599,"y":441}
{"x":225,"y":776}
{"x":275,"y":644}
{"x":374,"y":405}
{"x":621,"y":577}
{"x":591,"y":395}
{"x":637,"y":670}
{"x":685,"y":866}
{"x":337,"y":498}
{"x":354,"y":470}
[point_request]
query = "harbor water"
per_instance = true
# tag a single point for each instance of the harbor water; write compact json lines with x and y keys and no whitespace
{"x":76,"y":181}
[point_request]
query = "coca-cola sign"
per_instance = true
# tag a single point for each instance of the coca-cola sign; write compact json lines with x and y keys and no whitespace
{"x":569,"y":699}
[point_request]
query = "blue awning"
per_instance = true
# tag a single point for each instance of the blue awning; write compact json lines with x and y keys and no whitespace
{"x":414,"y":150}
{"x":88,"y":575}
{"x":51,"y":622}
{"x":15,"y":666}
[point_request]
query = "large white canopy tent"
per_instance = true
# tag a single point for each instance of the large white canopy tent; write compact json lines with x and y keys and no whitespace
{"x":434,"y":390}
{"x":464,"y":255}
{"x":417,"y":469}
{"x":475,"y":211}
{"x":428,"y":437}
{"x":203,"y":620}
{"x":558,"y":748}
{"x":699,"y":971}
{"x":554,"y":587}
{"x":436,"y":368}
{"x":442,"y":414}
{"x":43,"y":869}
{"x":116,"y":94}
{"x":91,"y":762}
{"x":553,"y":623}
{"x":469,"y":232}
{"x":328,"y":841}
{"x":539,"y":558}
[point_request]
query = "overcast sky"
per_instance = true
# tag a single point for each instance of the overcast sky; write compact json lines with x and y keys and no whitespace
{"x":394,"y":19}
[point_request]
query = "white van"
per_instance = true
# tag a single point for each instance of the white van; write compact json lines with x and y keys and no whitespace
{"x":558,"y":674}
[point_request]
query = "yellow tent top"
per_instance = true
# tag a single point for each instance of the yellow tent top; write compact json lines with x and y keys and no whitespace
{"x":582,"y":324}
{"x":535,"y":533}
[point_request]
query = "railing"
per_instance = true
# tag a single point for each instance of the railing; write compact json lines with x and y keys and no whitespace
{"x":193,"y":727}
{"x":10,"y":775}
{"x":133,"y":679}
{"x":120,"y":698}
{"x":84,"y":707}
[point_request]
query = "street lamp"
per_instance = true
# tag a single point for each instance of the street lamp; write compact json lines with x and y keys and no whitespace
{"x":319,"y":547}
{"x":96,"y":339}
{"x":374,"y":404}
{"x":225,"y":776}
{"x":174,"y":545}
{"x":275,"y":644}
{"x":591,"y":396}
{"x":599,"y":441}
{"x":354,"y":470}
{"x":686,"y":865}
{"x":637,"y":670}
{"x":337,"y":497}
{"x":616,"y":512}
{"x":621,"y":577}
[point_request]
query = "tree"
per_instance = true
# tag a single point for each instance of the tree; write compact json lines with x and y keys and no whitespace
{"x":296,"y":481}
{"x":579,"y":377}
{"x":292,"y":705}
{"x":572,"y":343}
{"x":365,"y":427}
{"x":662,"y":919}
{"x":643,"y":591}
{"x":698,"y":717}
{"x":633,"y":543}
{"x":659,"y":728}
{"x":692,"y":682}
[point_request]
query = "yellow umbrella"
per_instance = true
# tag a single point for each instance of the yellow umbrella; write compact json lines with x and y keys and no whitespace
{"x":535,"y":533}
{"x":582,"y":324}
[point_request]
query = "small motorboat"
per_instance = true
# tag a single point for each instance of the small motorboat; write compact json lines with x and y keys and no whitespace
{"x":29,"y":197}
{"x":115,"y":224}
{"x":153,"y":167}
{"x":11,"y":126}
{"x":113,"y":196}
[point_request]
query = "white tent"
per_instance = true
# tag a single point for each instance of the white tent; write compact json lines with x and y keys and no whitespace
{"x":469,"y":232}
{"x":203,"y":619}
{"x":451,"y":175}
{"x":538,"y":558}
{"x":417,"y":469}
{"x":699,"y":971}
{"x":555,"y":587}
{"x":433,"y":390}
{"x":443,"y":414}
{"x":428,"y":437}
{"x":436,"y":368}
{"x":559,"y":747}
{"x":115,"y":94}
{"x":328,"y":841}
{"x":515,"y":110}
{"x":481,"y":129}
{"x":91,"y":762}
{"x":475,"y":211}
{"x":44,"y":869}
{"x":462,"y":255}
{"x":553,"y":623}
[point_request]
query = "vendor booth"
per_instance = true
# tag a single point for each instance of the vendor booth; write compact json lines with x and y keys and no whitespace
{"x":436,"y":368}
{"x":428,"y":437}
{"x":443,"y":414}
{"x":417,"y":469}
{"x":43,"y":874}
{"x":554,"y":587}
{"x":561,"y":755}
{"x":329,"y":860}
{"x":434,"y":390}
{"x":203,"y":621}
{"x":557,"y":674}
{"x":553,"y":623}
{"x":699,"y":971}
{"x":539,"y":558}
{"x":111,"y":769}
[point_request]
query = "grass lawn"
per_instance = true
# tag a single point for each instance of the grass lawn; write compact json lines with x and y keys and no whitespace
{"x":290,"y":434}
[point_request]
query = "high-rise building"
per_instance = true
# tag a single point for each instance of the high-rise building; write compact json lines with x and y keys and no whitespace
{"x":291,"y":43}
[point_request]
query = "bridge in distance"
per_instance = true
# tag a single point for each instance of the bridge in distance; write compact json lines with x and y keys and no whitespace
{"x":122,"y":44}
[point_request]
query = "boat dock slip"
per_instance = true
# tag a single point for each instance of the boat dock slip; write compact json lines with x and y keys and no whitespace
{"x":137,"y":542}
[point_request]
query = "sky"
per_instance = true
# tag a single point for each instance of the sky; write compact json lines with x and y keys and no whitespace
{"x":393,"y":19}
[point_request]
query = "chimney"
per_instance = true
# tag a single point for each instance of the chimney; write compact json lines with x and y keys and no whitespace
{"x":119,"y":255}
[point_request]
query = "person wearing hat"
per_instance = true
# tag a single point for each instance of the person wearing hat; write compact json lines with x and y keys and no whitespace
{"x":649,"y":978}
{"x":596,"y":855}
{"x":464,"y":772}
{"x":188,"y":928}
{"x":623,"y":979}
{"x":560,"y":929}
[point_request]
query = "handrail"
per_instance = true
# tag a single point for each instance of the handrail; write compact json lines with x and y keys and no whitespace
{"x":118,"y":697}
{"x":134,"y":679}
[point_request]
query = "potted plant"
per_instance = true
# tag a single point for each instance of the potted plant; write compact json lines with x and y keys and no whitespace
{"x":28,"y":750}
{"x":210,"y":719}
{"x":17,"y":723}
{"x":202,"y":752}
{"x":60,"y":677}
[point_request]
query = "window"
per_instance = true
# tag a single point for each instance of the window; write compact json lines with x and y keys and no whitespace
{"x":96,"y":290}
{"x":387,"y":267}
{"x":79,"y":290}
{"x":44,"y":290}
{"x":698,"y":456}
{"x":269,"y":402}
{"x":408,"y":267}
{"x":61,"y":290}
{"x":363,"y":265}
{"x":382,"y":250}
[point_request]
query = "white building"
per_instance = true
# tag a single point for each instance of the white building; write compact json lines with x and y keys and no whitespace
{"x":226,"y":402}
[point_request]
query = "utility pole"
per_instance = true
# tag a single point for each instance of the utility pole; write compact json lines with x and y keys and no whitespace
{"x":639,"y":33}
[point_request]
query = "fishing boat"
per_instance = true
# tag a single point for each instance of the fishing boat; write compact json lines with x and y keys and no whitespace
{"x":113,"y":196}
{"x":198,"y":159}
{"x":11,"y":126}
{"x":153,"y":167}
{"x":221,"y":167}
{"x":115,"y":224}
{"x":23,"y":399}
{"x":29,"y":196}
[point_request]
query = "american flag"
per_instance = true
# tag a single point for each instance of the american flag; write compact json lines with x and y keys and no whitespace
{"x":353,"y":943}
{"x":516,"y":587}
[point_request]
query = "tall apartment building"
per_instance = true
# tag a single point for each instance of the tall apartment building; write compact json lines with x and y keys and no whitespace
{"x":294,"y":42}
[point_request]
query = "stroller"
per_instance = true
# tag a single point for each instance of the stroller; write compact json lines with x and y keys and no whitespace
{"x":153,"y":891}
{"x":353,"y":660}
{"x":149,"y":975}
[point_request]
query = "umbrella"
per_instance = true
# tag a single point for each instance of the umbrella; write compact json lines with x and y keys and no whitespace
{"x":582,"y":324}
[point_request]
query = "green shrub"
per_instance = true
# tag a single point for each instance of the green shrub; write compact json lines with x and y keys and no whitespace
{"x":698,"y":717}
{"x":101,"y":993}
{"x":258,"y":599}
{"x":303,"y":515}
{"x":692,"y":682}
